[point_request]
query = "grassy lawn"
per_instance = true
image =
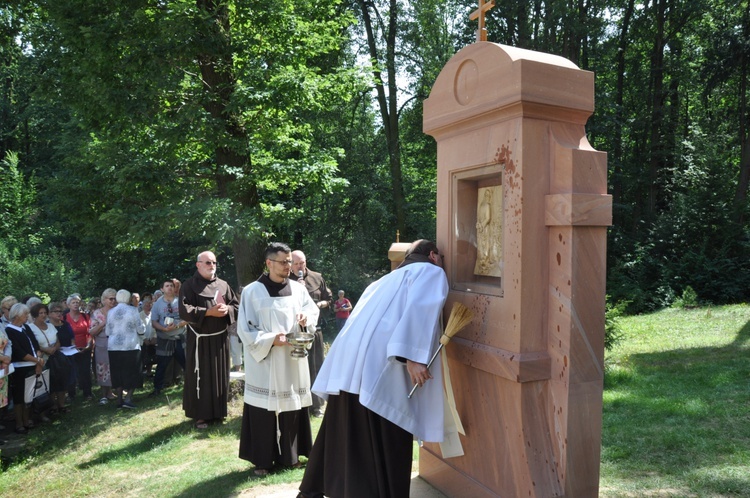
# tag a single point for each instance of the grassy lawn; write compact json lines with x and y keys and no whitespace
{"x":677,"y":405}
{"x":151,"y":451}
{"x":676,"y":423}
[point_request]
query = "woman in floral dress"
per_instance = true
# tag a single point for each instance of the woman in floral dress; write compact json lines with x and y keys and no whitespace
{"x":101,"y":355}
{"x":4,"y":368}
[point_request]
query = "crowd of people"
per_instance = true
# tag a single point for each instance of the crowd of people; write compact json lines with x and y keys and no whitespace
{"x":71,"y":343}
{"x":113,"y":342}
{"x":381,"y":351}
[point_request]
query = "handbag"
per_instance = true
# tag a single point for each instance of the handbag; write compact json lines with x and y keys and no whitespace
{"x":36,"y":385}
{"x":42,"y":398}
{"x":61,"y":368}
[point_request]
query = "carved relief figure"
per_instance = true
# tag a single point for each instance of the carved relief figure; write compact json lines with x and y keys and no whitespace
{"x":489,"y":230}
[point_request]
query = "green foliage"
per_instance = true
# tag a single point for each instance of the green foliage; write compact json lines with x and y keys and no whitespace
{"x":612,"y":329}
{"x":47,"y":274}
{"x":17,"y":203}
{"x":199,"y":119}
{"x":689,"y":299}
{"x":148,"y":130}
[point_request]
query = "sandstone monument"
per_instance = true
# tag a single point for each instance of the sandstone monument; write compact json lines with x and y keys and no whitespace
{"x":522,"y":216}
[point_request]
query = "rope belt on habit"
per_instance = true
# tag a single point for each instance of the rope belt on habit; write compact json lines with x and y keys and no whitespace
{"x":197,"y":366}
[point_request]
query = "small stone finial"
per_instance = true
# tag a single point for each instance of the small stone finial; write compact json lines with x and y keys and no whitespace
{"x":479,"y":14}
{"x":397,"y":236}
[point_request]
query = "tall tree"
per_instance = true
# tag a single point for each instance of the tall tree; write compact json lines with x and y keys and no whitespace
{"x":382,"y":29}
{"x":196,"y":109}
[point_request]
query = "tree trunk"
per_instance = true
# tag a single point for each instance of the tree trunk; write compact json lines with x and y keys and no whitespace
{"x":217,"y":72}
{"x":617,"y":153}
{"x":740,"y":197}
{"x":656,"y":154}
{"x":248,"y":258}
{"x":388,"y":104}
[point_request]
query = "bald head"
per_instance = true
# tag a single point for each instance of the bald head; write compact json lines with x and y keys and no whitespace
{"x":206,"y":264}
{"x":299,"y":262}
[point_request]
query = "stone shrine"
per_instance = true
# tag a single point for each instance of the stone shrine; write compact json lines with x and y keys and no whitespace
{"x":522,"y":214}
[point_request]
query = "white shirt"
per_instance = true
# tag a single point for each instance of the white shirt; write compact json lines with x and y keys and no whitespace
{"x":146,"y":320}
{"x":124,"y":328}
{"x":45,"y":338}
{"x":397,"y":316}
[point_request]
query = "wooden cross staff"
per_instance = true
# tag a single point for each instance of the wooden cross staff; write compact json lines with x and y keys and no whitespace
{"x":479,"y":14}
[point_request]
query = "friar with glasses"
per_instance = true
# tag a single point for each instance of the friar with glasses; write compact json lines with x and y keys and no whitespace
{"x":275,"y":422}
{"x":208,"y":305}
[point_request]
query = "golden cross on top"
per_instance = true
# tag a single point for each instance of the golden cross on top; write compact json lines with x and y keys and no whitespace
{"x":479,"y":14}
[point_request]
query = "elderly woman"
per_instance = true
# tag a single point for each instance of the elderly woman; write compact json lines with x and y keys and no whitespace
{"x":125,"y":330}
{"x":5,"y":370}
{"x":66,"y":339}
{"x":80,"y":323}
{"x":49,"y":344}
{"x":101,"y":354}
{"x":27,"y":361}
{"x":7,"y":304}
{"x":5,"y":351}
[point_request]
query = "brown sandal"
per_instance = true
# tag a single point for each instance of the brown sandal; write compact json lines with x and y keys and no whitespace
{"x":260,"y":472}
{"x":201,"y":424}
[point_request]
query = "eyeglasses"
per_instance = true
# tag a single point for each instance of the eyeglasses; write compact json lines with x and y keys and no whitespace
{"x":111,"y":299}
{"x":55,"y":311}
{"x":209,"y":263}
{"x":285,"y":262}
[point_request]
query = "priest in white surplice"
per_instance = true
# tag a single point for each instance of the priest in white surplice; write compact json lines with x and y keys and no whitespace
{"x":275,"y":422}
{"x":364,"y":447}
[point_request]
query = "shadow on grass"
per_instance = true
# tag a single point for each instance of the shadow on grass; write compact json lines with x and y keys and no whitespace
{"x":139,"y":445}
{"x":87,"y":420}
{"x":682,"y":416}
{"x":743,"y":336}
{"x":218,"y":486}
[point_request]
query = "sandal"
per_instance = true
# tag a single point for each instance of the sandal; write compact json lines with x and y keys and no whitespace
{"x":260,"y":472}
{"x":201,"y":424}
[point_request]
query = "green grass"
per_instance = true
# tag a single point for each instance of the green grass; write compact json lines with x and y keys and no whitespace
{"x":676,"y":423}
{"x":152,"y":451}
{"x":676,"y":405}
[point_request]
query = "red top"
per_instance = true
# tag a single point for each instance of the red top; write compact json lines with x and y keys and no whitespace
{"x":80,"y":329}
{"x":341,"y":303}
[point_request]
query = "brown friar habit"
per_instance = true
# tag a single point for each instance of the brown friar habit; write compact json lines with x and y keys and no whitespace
{"x":206,"y":391}
{"x":318,"y":291}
